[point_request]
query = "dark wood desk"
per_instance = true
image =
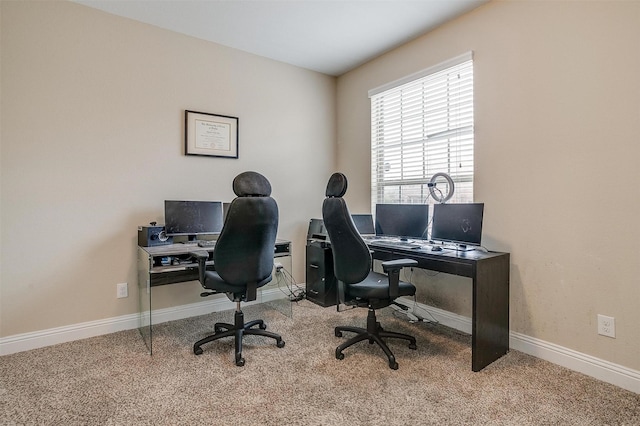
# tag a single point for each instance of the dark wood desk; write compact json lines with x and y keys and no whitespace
{"x":490,"y":275}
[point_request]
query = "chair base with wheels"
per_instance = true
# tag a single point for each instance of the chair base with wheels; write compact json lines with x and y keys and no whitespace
{"x":238,"y":330}
{"x":374,"y":333}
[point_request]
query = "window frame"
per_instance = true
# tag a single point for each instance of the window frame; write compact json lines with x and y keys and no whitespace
{"x":452,"y":131}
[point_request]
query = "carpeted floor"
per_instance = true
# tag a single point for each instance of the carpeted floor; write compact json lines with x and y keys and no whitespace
{"x":111,"y":380}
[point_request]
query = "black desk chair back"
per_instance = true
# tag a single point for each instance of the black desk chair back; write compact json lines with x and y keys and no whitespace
{"x":357,"y":283}
{"x":243,"y":258}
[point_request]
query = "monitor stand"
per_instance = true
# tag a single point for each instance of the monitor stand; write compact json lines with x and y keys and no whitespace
{"x":192,"y":239}
{"x":463,"y":247}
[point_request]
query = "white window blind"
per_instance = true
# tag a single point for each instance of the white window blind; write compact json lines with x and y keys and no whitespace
{"x":422,"y":125}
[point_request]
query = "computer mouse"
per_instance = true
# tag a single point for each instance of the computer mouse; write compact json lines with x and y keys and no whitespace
{"x":436,"y":248}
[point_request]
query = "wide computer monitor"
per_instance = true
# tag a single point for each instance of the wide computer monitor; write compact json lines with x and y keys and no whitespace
{"x":402,"y":220}
{"x":192,"y":218}
{"x":364,"y":224}
{"x":460,"y":224}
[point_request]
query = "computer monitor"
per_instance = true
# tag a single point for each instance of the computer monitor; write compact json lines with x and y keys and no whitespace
{"x":458,"y":223}
{"x":402,"y":220}
{"x":192,"y":218}
{"x":364,"y":224}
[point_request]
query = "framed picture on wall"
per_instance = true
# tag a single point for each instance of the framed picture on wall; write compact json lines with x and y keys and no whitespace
{"x":210,"y":135}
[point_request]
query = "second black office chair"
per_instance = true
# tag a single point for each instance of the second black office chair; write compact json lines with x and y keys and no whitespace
{"x":357,"y":283}
{"x":243,"y":258}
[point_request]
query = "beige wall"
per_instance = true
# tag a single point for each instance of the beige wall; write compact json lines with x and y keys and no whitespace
{"x":92,"y":143}
{"x":557,"y":115}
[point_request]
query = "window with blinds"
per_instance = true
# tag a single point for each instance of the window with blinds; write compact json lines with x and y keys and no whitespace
{"x":422,"y":125}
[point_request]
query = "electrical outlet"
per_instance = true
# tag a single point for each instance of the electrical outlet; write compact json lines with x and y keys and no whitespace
{"x":122,"y":290}
{"x":606,"y":326}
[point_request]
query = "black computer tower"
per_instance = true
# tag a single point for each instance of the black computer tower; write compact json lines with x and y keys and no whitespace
{"x":320,"y":281}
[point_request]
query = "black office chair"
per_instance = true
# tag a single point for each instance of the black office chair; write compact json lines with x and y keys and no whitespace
{"x":243,"y":258}
{"x":357,"y":283}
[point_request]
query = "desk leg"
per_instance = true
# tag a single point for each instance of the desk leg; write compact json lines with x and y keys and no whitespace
{"x":146,"y":329}
{"x":490,"y":322}
{"x":144,"y":299}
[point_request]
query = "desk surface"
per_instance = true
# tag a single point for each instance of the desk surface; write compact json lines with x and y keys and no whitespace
{"x":184,"y":248}
{"x":174,"y":249}
{"x":426,"y":248}
{"x":448,"y":260}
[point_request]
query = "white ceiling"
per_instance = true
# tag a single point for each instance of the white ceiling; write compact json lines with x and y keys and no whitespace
{"x":329,"y":36}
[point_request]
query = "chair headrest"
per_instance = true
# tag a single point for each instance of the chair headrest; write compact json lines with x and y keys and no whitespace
{"x":337,"y":185}
{"x":251,"y":184}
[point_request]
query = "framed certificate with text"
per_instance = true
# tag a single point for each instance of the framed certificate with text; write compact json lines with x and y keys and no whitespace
{"x":210,"y":135}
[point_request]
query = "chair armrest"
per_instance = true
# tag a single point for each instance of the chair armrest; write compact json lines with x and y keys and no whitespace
{"x":397,"y":264}
{"x":201,"y":256}
{"x":392,"y":268}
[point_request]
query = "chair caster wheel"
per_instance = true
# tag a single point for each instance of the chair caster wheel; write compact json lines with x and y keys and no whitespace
{"x":338,"y":333}
{"x":392,"y":363}
{"x":240,"y":362}
{"x":339,"y":355}
{"x":197,"y":350}
{"x":262,"y":326}
{"x":413,"y":346}
{"x":371,"y":341}
{"x":280,"y":343}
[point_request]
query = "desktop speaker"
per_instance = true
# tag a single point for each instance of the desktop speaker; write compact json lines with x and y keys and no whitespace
{"x":149,"y":236}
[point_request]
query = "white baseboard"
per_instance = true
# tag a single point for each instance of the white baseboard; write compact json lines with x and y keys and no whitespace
{"x":449,"y":319}
{"x":606,"y":371}
{"x":597,"y":368}
{"x":53,"y":336}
